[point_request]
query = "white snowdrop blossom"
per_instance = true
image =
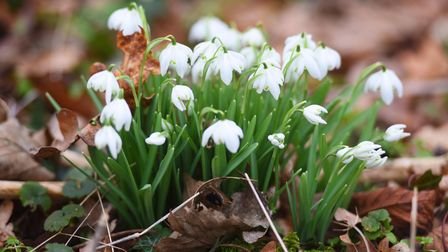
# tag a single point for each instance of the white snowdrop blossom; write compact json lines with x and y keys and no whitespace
{"x":371,"y":153}
{"x":180,"y":95}
{"x":224,"y":132}
{"x":271,"y":56}
{"x":125,"y":20}
{"x":197,"y":70}
{"x":231,"y":39}
{"x":205,"y":50}
{"x":304,"y":40}
{"x":277,"y":140}
{"x":250,"y":54}
{"x":297,"y":62}
{"x":226,"y":62}
{"x":267,"y":77}
{"x":395,"y":133}
{"x":177,"y":56}
{"x":156,"y":138}
{"x":329,"y":58}
{"x":376,"y":161}
{"x":166,"y":126}
{"x":107,"y":136}
{"x":104,"y":81}
{"x":206,"y":28}
{"x":312,"y":114}
{"x":118,"y":113}
{"x":346,"y":153}
{"x":253,"y":37}
{"x":386,"y":82}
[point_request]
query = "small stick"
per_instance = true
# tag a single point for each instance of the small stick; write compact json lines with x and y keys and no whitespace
{"x":414,"y":219}
{"x":265,"y":213}
{"x":106,"y":216}
{"x":138,"y":234}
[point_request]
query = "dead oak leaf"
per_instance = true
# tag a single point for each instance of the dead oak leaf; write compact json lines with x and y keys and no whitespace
{"x":87,"y":134}
{"x":397,"y":201}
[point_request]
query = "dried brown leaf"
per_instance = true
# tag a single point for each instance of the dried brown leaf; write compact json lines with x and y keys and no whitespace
{"x":270,"y":247}
{"x":398,"y":202}
{"x":342,"y":215}
{"x":6,"y":230}
{"x":87,"y":134}
{"x":439,"y":238}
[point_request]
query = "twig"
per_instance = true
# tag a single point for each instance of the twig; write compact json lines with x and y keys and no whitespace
{"x":414,"y":219}
{"x":138,"y":234}
{"x":47,"y":240}
{"x":106,"y":216}
{"x":10,"y":189}
{"x":268,"y":217}
{"x":85,"y":239}
{"x":99,"y":232}
{"x":82,"y":222}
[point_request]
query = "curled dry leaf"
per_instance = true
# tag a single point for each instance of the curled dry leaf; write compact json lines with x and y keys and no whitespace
{"x":6,"y":229}
{"x":136,"y":64}
{"x":87,"y":134}
{"x":347,"y":217}
{"x":213,"y":215}
{"x":16,"y":163}
{"x":270,"y":247}
{"x":63,"y":128}
{"x":397,"y":201}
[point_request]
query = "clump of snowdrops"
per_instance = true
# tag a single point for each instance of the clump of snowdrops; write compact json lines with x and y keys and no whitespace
{"x":233,"y":104}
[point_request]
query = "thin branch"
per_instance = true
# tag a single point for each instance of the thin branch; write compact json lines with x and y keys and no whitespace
{"x":106,"y":216}
{"x":268,"y":217}
{"x":138,"y":234}
{"x":85,"y":218}
{"x":414,"y":219}
{"x":47,"y":240}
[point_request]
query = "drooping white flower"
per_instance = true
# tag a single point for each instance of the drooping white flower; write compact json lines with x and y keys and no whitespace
{"x":395,"y":133}
{"x":224,"y":132}
{"x":346,"y":154}
{"x":156,"y":138}
{"x":104,"y":81}
{"x":295,"y":63}
{"x":253,"y":37}
{"x":371,"y":153}
{"x":267,"y":77}
{"x":250,"y":54}
{"x":166,"y":126}
{"x":107,"y":136}
{"x":226,"y":62}
{"x":271,"y":56}
{"x":231,"y":39}
{"x":205,"y":50}
{"x":277,"y":140}
{"x":328,"y":57}
{"x":206,"y":28}
{"x":304,"y":40}
{"x":177,"y":56}
{"x":180,"y":95}
{"x":312,"y":114}
{"x":387,"y":83}
{"x":197,"y":70}
{"x":125,"y":20}
{"x":118,"y":113}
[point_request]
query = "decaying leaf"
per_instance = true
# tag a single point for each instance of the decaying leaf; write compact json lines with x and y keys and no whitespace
{"x":5,"y":228}
{"x":63,"y":128}
{"x":439,"y":237}
{"x":342,"y":215}
{"x":87,"y":134}
{"x":136,"y":64}
{"x":16,"y":163}
{"x":397,"y":201}
{"x":270,"y":247}
{"x":212,"y":216}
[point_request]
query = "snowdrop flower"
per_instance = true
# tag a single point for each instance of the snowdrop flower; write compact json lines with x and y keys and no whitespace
{"x":297,"y":62}
{"x":329,"y":58}
{"x":267,"y":78}
{"x":271,"y":56}
{"x":118,"y":113}
{"x":367,"y":150}
{"x":376,"y":161}
{"x":180,"y":95}
{"x":250,"y":54}
{"x":224,"y":132}
{"x":125,"y":20}
{"x":346,"y":153}
{"x":312,"y":114}
{"x":253,"y":37}
{"x":206,"y":28}
{"x":231,"y":39}
{"x":395,"y":133}
{"x":167,"y":126}
{"x":277,"y":140}
{"x":226,"y":62}
{"x":304,"y":40}
{"x":197,"y":70}
{"x":104,"y":81}
{"x":156,"y":138}
{"x":385,"y":81}
{"x":205,"y":50}
{"x":107,"y":136}
{"x":176,"y":55}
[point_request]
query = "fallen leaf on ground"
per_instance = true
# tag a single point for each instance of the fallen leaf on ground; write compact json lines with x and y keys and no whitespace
{"x":197,"y":227}
{"x":342,"y":215}
{"x":397,"y":201}
{"x":87,"y":134}
{"x":439,"y":238}
{"x":6,"y":229}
